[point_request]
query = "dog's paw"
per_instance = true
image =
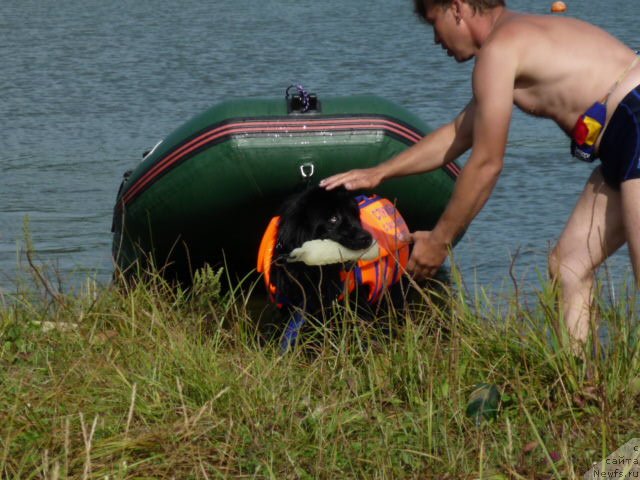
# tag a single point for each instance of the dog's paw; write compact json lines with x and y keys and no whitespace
{"x":326,"y":252}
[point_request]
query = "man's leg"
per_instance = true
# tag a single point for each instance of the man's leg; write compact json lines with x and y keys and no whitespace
{"x":631,"y":214}
{"x":594,"y":231}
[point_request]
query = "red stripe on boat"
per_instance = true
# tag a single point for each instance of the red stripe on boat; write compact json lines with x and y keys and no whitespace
{"x":261,"y":127}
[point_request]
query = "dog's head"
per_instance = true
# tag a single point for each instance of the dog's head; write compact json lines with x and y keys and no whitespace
{"x":318,"y":214}
{"x":328,"y":224}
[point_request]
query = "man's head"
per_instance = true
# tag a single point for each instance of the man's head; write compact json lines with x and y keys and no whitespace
{"x":420,"y":7}
{"x":459,"y":26}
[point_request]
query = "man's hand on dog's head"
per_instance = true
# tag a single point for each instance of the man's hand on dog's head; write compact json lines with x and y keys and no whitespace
{"x":359,"y":179}
{"x":427,"y":255}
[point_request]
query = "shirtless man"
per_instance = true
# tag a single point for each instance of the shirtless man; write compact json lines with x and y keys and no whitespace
{"x":551,"y":67}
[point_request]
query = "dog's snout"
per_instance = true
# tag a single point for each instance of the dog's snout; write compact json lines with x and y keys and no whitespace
{"x":361,"y":239}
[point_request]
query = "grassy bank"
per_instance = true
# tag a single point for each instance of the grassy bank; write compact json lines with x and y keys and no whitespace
{"x":147,"y":382}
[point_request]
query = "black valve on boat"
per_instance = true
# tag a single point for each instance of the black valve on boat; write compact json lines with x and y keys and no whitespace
{"x":301,"y":101}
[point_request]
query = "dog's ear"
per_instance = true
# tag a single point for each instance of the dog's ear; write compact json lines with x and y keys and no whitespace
{"x":295,"y":227}
{"x":294,"y":230}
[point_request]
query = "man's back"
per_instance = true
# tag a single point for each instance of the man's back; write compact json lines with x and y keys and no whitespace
{"x":564,"y":65}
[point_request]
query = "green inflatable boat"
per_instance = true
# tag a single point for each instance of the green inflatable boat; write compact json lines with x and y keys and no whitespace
{"x":206,"y":193}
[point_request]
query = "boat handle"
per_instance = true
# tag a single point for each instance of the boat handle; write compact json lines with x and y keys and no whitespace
{"x":307,"y":170}
{"x":149,"y":152}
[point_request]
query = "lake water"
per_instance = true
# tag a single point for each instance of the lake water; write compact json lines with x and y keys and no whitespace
{"x":87,"y":86}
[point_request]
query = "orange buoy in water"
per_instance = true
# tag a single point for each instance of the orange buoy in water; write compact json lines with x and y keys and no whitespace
{"x":558,"y":7}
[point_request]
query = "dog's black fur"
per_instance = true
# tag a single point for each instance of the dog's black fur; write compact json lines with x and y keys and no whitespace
{"x":314,"y":214}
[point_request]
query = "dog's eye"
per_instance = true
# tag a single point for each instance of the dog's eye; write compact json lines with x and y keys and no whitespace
{"x":334,"y":219}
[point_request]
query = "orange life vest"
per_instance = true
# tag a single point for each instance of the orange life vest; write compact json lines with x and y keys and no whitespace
{"x":265,"y":253}
{"x":380,"y":218}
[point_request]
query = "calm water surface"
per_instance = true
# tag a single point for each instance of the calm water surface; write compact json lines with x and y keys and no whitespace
{"x":87,"y":86}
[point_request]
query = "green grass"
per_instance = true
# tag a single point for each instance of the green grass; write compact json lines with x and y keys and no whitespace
{"x":155,"y":383}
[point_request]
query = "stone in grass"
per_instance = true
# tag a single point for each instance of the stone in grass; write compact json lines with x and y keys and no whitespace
{"x":483,"y":402}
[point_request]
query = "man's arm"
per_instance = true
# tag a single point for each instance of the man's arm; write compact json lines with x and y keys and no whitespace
{"x":433,"y":151}
{"x":436,"y":149}
{"x":493,"y":86}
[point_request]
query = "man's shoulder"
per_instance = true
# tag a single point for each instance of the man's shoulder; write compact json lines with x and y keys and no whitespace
{"x":517,"y":25}
{"x":527,"y":26}
{"x":531,"y":36}
{"x":521,"y":33}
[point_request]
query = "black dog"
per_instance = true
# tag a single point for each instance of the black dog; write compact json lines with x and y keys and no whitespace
{"x":312,"y":245}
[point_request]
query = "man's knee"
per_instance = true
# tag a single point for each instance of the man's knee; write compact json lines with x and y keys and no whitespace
{"x":567,"y":269}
